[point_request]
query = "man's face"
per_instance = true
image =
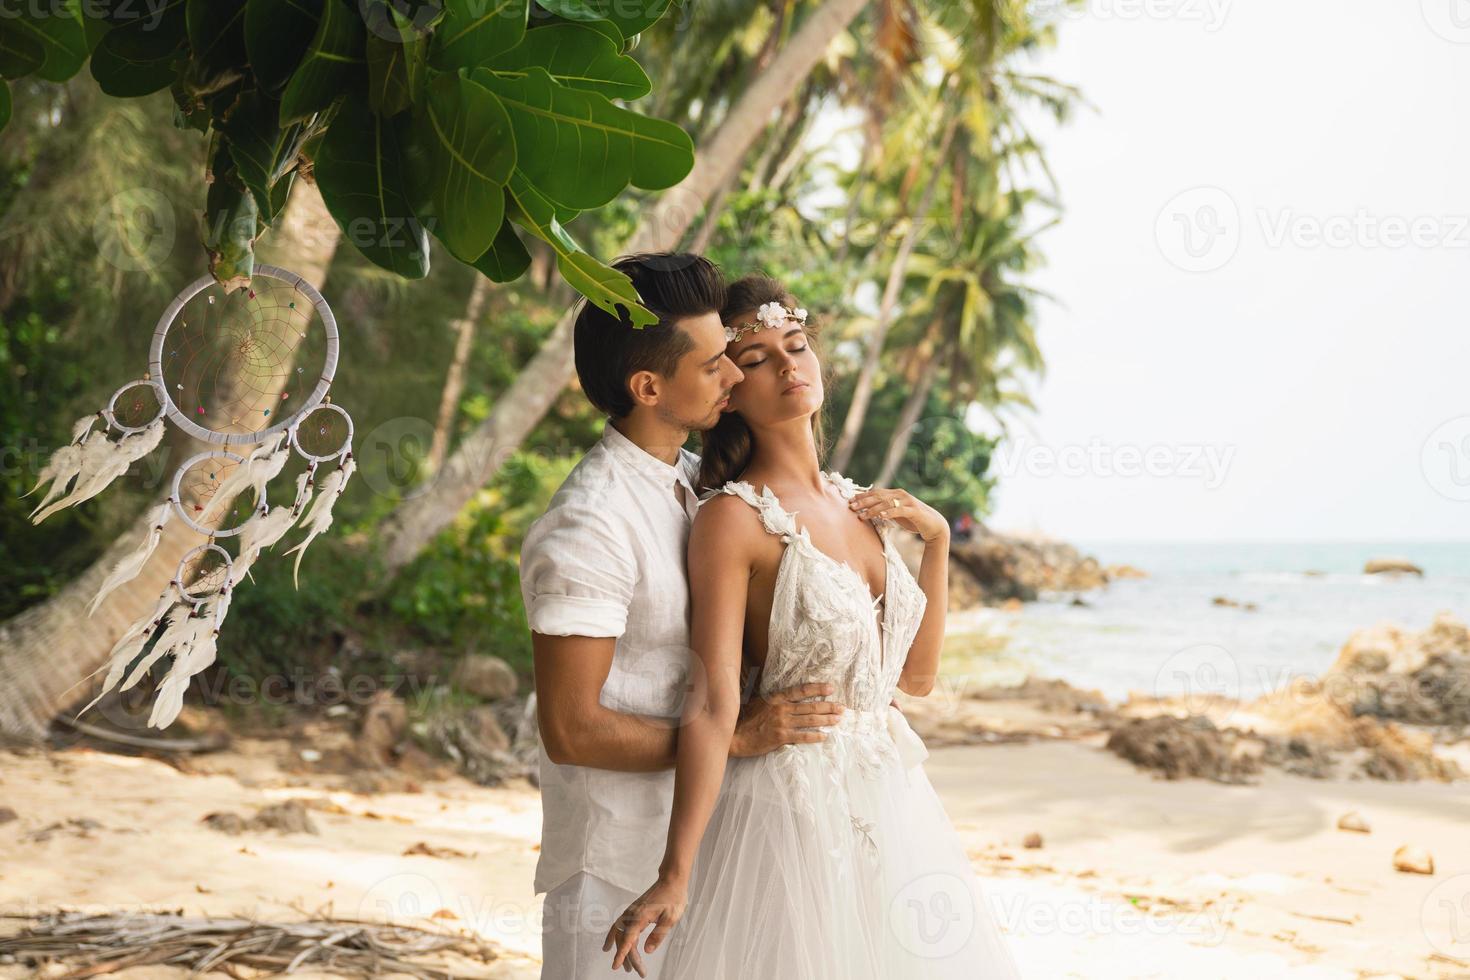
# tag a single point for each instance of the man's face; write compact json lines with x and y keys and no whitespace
{"x":700,"y":388}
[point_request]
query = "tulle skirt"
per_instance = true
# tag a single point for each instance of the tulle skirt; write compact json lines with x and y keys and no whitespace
{"x":835,"y":861}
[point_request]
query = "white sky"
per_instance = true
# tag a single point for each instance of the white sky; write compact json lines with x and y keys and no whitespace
{"x":1327,"y":374}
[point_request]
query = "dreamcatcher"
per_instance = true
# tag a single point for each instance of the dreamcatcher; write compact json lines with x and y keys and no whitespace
{"x":249,"y":369}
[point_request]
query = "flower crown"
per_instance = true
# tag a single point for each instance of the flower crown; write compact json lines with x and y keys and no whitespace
{"x":769,"y":315}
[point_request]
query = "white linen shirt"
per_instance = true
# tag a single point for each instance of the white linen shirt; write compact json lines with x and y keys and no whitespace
{"x":608,"y":559}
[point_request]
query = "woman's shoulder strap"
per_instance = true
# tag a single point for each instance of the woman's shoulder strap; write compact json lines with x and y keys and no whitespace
{"x":774,"y":518}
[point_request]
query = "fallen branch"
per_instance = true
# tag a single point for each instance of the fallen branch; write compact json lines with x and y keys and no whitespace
{"x":209,"y":743}
{"x":106,"y":943}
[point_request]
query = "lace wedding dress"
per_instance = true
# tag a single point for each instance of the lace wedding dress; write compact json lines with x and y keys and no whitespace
{"x":835,"y":860}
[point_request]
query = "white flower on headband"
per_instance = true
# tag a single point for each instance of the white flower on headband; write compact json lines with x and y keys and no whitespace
{"x":769,"y":315}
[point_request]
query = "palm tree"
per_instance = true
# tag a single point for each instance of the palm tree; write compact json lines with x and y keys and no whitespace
{"x":416,"y":521}
{"x":978,"y":318}
{"x":982,"y":135}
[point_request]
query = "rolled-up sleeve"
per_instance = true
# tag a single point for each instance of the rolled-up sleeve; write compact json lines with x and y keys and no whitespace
{"x":577,"y":575}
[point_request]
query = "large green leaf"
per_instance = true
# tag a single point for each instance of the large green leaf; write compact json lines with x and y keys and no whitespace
{"x":20,"y":52}
{"x":331,"y":63}
{"x":141,"y":55}
{"x":474,"y":31}
{"x":217,"y":32}
{"x":260,"y":147}
{"x":280,"y":194}
{"x":579,"y":148}
{"x":629,"y":18}
{"x":462,"y":151}
{"x":277,"y":34}
{"x":57,"y":27}
{"x":603,"y":285}
{"x":397,"y":67}
{"x":578,"y":56}
{"x":359,"y":170}
{"x":506,"y":260}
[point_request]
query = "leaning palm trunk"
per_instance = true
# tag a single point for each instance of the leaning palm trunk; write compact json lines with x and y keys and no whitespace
{"x":49,"y":648}
{"x":862,"y":394}
{"x":415,"y":522}
{"x":454,"y":380}
{"x":903,"y":431}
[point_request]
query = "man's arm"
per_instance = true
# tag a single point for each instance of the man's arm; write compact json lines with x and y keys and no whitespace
{"x":578,"y":730}
{"x":575,"y":727}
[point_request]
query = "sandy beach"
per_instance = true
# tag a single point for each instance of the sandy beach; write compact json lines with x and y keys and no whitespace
{"x":1136,"y":876}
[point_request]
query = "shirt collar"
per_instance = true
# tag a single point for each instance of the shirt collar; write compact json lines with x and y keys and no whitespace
{"x":645,"y":462}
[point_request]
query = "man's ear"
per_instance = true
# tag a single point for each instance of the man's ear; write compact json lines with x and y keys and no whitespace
{"x":645,"y":387}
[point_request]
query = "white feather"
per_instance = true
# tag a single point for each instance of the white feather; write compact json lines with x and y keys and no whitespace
{"x":83,"y":425}
{"x":317,"y":519}
{"x":104,"y":461}
{"x":128,"y":568}
{"x":304,"y":489}
{"x":63,"y":465}
{"x":262,"y":531}
{"x":196,"y":653}
{"x":260,"y":467}
{"x":129,"y":645}
{"x":175,"y":633}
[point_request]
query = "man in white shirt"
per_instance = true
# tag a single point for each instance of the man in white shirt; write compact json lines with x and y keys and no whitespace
{"x":606,"y":595}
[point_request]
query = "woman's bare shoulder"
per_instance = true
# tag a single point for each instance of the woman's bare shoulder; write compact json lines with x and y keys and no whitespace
{"x":726,"y":513}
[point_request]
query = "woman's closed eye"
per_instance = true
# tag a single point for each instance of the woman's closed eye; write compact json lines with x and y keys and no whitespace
{"x":751,"y":364}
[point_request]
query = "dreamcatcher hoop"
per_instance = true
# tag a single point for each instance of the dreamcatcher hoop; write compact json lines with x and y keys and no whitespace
{"x":171,"y":313}
{"x":346,"y":443}
{"x":110,"y":412}
{"x":178,"y":500}
{"x":183,"y":589}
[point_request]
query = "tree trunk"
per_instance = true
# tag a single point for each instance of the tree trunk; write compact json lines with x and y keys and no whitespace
{"x":862,"y":394}
{"x":903,"y":431}
{"x":416,"y":521}
{"x":47,"y":651}
{"x":454,"y":381}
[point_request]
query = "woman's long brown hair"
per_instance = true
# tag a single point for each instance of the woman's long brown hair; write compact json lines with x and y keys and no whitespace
{"x":727,"y":448}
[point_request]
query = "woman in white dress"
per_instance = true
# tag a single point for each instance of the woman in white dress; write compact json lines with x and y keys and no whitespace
{"x":831,"y":859}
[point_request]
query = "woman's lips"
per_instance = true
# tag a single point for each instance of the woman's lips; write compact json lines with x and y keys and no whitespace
{"x":795,"y":386}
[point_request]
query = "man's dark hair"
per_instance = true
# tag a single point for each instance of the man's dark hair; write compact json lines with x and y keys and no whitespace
{"x":672,"y":285}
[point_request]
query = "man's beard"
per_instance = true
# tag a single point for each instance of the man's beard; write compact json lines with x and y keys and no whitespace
{"x":709,"y":421}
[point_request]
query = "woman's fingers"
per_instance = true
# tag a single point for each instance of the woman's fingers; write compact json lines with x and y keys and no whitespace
{"x":656,"y":938}
{"x":817,"y":708}
{"x":625,"y":933}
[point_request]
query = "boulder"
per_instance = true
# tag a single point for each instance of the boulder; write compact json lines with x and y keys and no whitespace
{"x":384,"y":721}
{"x":1008,"y":566}
{"x":1421,"y":678}
{"x":486,"y":677}
{"x":1413,"y":859}
{"x":1391,"y":566}
{"x":1179,"y":748}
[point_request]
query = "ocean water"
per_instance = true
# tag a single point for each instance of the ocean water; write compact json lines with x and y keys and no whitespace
{"x":1162,"y":634}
